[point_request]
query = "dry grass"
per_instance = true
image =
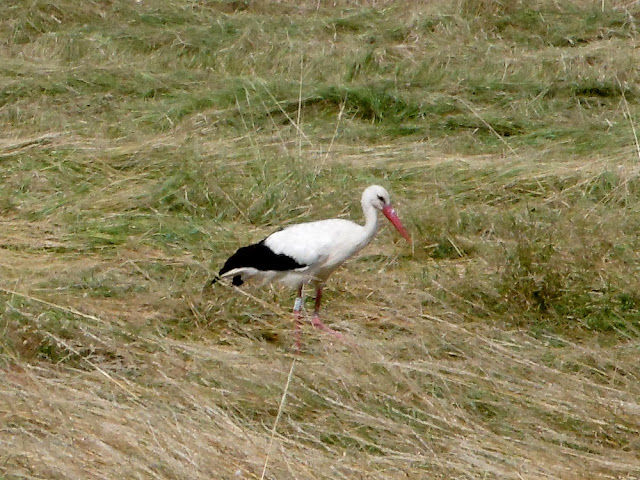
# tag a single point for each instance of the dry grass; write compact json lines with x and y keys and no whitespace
{"x":144,"y":142}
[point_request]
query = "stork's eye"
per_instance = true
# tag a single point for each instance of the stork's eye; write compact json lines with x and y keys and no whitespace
{"x":380,"y":198}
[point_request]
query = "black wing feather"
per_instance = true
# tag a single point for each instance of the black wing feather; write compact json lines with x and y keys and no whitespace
{"x":260,"y":257}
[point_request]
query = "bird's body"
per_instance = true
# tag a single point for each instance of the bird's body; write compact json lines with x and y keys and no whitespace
{"x":309,"y":252}
{"x":299,"y":254}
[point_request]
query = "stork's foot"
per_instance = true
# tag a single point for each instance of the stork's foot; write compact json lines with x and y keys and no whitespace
{"x":316,"y":322}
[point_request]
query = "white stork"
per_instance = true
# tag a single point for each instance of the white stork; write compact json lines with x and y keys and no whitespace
{"x":310,"y":252}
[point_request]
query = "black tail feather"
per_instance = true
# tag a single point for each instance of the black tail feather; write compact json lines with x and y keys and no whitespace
{"x":257,"y":256}
{"x":236,"y":280}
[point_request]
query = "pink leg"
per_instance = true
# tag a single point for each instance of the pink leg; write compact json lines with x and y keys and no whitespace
{"x":297,"y":307}
{"x":316,"y":316}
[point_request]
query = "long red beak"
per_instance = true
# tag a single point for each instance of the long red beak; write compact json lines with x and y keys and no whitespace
{"x":391,"y":214}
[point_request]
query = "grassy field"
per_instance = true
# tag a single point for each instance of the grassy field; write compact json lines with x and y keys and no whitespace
{"x":144,"y":141}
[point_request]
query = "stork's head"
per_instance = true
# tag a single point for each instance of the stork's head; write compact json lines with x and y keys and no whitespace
{"x":377,"y":197}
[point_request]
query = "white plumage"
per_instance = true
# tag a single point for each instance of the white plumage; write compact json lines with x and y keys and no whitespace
{"x":322,"y":246}
{"x":310,"y":252}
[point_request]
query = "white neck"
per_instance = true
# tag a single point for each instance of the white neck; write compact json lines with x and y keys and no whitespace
{"x":370,"y":224}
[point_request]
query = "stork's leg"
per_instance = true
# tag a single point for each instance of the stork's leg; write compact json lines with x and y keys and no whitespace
{"x":316,"y":315}
{"x":297,"y":307}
